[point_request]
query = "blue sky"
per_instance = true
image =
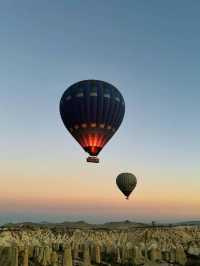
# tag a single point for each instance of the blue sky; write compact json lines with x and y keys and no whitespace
{"x":147,"y":49}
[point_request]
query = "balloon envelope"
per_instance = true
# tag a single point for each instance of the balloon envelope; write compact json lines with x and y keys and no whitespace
{"x":92,"y":111}
{"x":126,"y":182}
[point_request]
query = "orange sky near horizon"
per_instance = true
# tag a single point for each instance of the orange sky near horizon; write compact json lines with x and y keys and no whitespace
{"x":57,"y":192}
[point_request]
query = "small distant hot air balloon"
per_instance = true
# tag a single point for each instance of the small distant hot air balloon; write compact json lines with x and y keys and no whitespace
{"x":126,"y":182}
{"x":92,"y":111}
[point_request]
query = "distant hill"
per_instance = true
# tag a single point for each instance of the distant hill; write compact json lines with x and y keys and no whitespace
{"x":121,"y":225}
{"x":76,"y":224}
{"x":63,"y":225}
{"x":189,"y":223}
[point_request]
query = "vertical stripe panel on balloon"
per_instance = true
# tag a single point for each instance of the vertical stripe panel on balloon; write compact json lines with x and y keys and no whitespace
{"x":117,"y":112}
{"x":100,"y":104}
{"x":87,"y":102}
{"x":93,"y":103}
{"x":114,"y":109}
{"x":66,"y":110}
{"x":116,"y":115}
{"x":75,"y":111}
{"x":86,"y":140}
{"x":106,"y":103}
{"x":82,"y":108}
{"x":69,"y":106}
{"x":120,"y":116}
{"x":110,"y":108}
{"x":77,"y":101}
{"x":100,"y":140}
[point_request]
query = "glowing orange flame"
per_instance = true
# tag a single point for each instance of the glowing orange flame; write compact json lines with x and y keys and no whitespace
{"x":93,"y":142}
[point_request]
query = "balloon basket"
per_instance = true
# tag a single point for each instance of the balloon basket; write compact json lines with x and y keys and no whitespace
{"x":92,"y":159}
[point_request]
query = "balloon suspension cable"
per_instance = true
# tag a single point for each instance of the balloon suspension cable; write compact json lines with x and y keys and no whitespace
{"x":92,"y":159}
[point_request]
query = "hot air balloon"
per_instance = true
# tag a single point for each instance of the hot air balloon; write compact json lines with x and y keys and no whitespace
{"x":92,"y":111}
{"x":126,"y":182}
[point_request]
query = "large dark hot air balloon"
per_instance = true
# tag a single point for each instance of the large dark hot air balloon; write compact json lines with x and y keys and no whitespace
{"x":126,"y":182}
{"x":92,"y":111}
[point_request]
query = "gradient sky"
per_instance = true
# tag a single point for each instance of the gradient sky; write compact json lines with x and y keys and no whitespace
{"x":150,"y":51}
